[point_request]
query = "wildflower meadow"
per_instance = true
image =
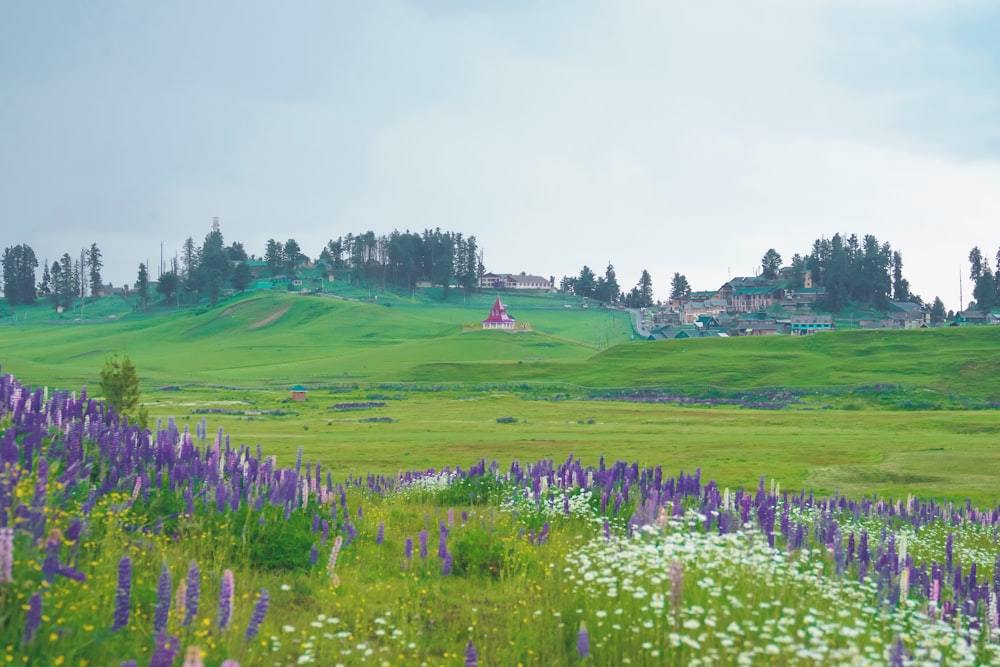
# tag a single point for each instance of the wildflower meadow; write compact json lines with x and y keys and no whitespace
{"x":123,"y":546}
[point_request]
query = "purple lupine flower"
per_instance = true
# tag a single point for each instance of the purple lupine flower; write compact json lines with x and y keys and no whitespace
{"x":443,"y":541}
{"x":422,"y":538}
{"x":326,"y":529}
{"x":130,"y":663}
{"x":51,"y":566}
{"x":408,"y":549}
{"x":73,"y":532}
{"x":446,"y":564}
{"x":259,"y":611}
{"x":352,"y":533}
{"x":42,"y":485}
{"x":314,"y":555}
{"x":471,"y":656}
{"x":226,"y":600}
{"x":381,"y":534}
{"x":583,"y":641}
{"x":898,"y":653}
{"x":193,"y":593}
{"x":6,"y":555}
{"x":33,"y":618}
{"x":162,"y":612}
{"x":123,"y":596}
{"x":167,"y":648}
{"x":360,"y":513}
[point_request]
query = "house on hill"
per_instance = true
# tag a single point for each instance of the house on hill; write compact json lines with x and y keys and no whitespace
{"x":745,"y":295}
{"x":298,"y":393}
{"x":522,"y":281}
{"x":908,"y":315}
{"x":499,"y":319}
{"x":971,"y":317}
{"x":760,"y":324}
{"x":696,"y":309}
{"x":803,"y":325}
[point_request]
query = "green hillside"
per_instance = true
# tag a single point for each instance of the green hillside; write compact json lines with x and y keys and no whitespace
{"x":964,"y":361}
{"x":276,"y":339}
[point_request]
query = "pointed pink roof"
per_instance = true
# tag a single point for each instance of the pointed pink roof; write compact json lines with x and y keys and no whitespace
{"x":498,"y":314}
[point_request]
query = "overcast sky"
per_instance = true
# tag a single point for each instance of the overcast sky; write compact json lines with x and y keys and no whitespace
{"x":665,"y":135}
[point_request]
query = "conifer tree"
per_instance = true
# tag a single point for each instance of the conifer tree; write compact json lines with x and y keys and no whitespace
{"x":119,"y":384}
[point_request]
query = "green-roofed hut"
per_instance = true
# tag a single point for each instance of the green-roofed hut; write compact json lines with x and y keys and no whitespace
{"x":299,"y":393}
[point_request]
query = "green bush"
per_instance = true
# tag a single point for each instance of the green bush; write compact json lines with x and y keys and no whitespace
{"x":477,"y":551}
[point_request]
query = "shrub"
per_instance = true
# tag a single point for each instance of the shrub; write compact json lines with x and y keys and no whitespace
{"x":478,"y":551}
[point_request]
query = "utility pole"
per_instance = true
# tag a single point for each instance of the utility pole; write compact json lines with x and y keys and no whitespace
{"x":960,"y":298}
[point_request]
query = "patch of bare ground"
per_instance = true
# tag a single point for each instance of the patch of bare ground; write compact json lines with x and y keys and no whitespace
{"x":270,"y":318}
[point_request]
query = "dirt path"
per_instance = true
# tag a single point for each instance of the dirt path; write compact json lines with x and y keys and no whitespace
{"x":270,"y":318}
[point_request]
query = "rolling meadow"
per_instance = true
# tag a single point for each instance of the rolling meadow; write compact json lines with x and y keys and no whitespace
{"x":452,"y":496}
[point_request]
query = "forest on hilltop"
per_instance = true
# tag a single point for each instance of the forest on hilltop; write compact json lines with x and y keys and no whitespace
{"x":849,"y":269}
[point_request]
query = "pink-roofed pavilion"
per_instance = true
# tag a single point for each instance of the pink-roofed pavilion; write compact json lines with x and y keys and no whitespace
{"x":499,"y":319}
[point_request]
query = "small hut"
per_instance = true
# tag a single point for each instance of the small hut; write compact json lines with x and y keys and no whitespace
{"x":298,"y":393}
{"x":499,"y":319}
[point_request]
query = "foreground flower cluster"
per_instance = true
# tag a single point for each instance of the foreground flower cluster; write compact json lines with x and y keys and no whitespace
{"x":123,"y":546}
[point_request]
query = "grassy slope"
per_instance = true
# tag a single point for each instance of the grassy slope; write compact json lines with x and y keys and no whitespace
{"x":276,"y":339}
{"x":963,"y":361}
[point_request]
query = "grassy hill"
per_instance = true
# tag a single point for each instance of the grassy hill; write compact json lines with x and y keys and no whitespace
{"x":276,"y":339}
{"x":952,"y":360}
{"x":273,"y":339}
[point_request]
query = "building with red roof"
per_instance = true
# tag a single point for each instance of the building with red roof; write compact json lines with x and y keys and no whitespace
{"x":499,"y":319}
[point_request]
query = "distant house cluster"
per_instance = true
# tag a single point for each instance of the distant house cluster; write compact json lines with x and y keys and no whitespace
{"x":756,"y":306}
{"x":510,"y":281}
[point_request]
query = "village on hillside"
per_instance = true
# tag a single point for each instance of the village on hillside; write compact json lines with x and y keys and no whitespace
{"x":757,"y":306}
{"x":743,"y":306}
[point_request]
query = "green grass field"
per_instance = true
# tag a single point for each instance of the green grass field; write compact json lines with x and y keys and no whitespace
{"x":950,"y":454}
{"x":252,"y":348}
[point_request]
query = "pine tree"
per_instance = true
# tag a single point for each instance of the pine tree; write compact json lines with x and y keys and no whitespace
{"x":94,"y":264}
{"x":937,"y":311}
{"x":679,"y":287}
{"x":770,"y":263}
{"x":142,"y":286}
{"x":119,"y":384}
{"x":645,"y":290}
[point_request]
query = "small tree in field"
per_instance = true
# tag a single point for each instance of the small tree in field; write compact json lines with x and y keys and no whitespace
{"x":120,"y":386}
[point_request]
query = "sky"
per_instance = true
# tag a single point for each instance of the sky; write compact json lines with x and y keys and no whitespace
{"x":665,"y":135}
